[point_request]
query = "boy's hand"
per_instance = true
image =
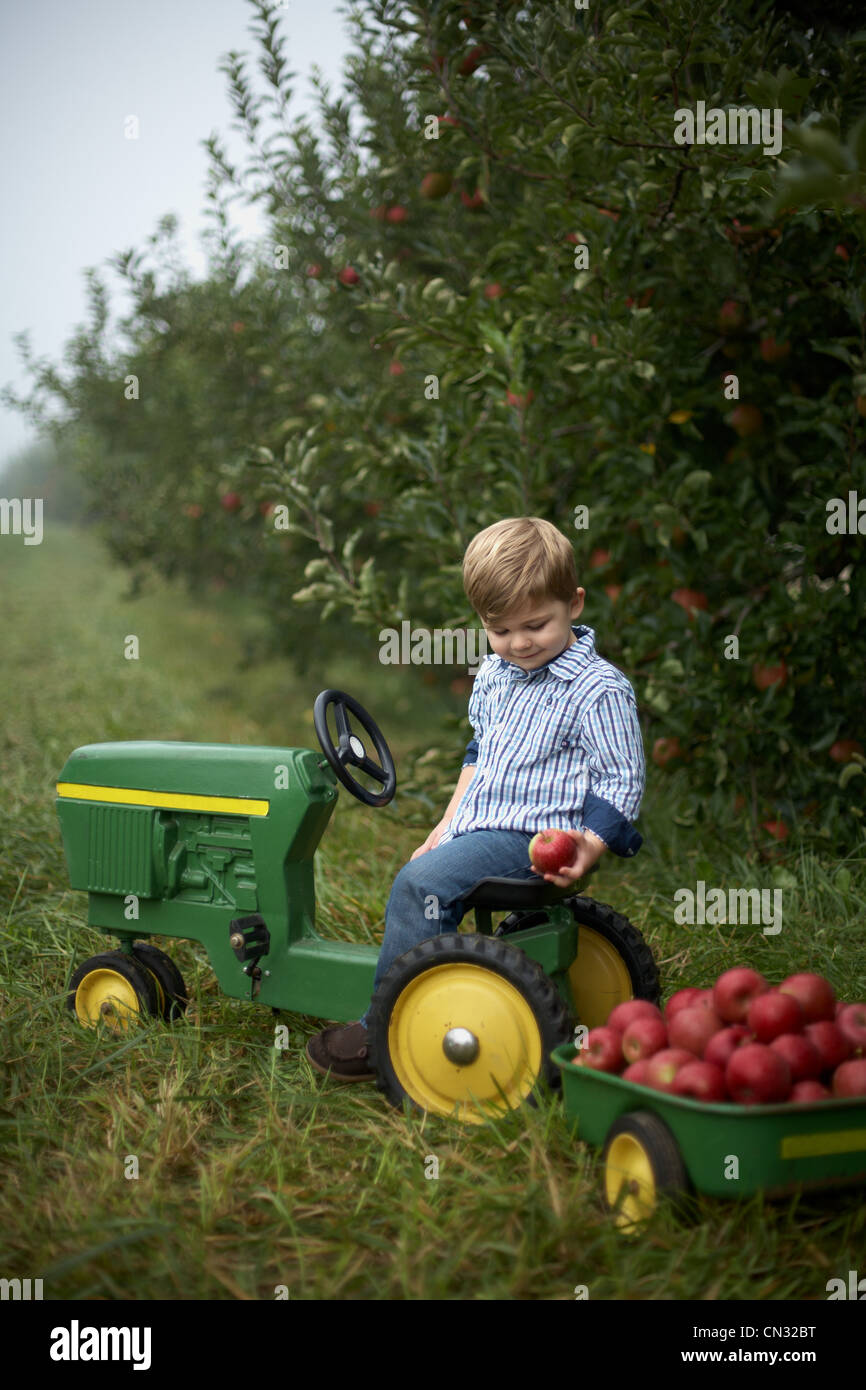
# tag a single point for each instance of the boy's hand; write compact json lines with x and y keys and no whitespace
{"x":432,"y":840}
{"x":589,"y":850}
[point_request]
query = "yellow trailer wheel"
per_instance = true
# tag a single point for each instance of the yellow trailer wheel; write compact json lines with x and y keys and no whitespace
{"x":642,"y":1166}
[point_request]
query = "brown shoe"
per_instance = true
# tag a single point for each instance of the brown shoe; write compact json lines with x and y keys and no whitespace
{"x":342,"y":1051}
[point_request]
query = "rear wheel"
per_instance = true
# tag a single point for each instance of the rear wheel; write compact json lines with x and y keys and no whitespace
{"x":463,"y":1025}
{"x":171,"y":989}
{"x":613,"y":961}
{"x":115,"y":989}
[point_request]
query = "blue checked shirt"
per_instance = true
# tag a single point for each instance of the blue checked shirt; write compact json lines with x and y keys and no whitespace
{"x":558,"y":746}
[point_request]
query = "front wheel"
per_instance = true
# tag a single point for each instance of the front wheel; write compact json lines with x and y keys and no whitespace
{"x":463,"y":1025}
{"x":115,"y":989}
{"x":642,"y":1166}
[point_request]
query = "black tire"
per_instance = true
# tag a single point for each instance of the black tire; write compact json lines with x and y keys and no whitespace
{"x":636,"y":955}
{"x":488,"y":956}
{"x":144,"y":1000}
{"x":173,"y":997}
{"x":670,"y":1181}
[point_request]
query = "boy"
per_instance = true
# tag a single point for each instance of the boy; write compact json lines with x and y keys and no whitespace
{"x":557,"y":743}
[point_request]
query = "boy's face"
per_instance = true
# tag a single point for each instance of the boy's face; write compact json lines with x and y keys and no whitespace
{"x":532,"y":636}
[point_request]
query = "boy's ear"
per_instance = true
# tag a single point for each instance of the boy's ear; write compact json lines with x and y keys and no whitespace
{"x":577,"y":603}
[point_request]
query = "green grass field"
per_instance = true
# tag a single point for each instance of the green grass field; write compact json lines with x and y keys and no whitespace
{"x":254,"y":1171}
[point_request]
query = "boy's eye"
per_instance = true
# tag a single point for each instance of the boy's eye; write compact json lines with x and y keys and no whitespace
{"x":535,"y":627}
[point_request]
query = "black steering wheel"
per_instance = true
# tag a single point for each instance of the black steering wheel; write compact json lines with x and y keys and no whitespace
{"x":351,"y":749}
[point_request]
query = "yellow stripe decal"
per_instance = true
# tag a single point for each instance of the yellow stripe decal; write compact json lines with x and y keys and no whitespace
{"x":843,"y":1141}
{"x":174,"y":801}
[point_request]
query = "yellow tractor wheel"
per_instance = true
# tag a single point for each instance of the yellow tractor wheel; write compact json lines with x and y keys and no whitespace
{"x":114,"y":989}
{"x":463,"y":1026}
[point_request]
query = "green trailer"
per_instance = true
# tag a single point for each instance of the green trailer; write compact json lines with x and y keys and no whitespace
{"x":215,"y":843}
{"x":660,"y":1147}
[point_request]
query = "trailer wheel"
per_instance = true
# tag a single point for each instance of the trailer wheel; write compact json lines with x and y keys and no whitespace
{"x":642,"y":1166}
{"x":114,"y":989}
{"x":170,"y":986}
{"x":463,"y":1026}
{"x":613,"y":962}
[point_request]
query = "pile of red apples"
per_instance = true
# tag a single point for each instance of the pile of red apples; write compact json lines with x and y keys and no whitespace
{"x":744,"y":1041}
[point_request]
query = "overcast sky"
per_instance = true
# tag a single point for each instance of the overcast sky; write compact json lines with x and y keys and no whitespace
{"x":76,"y":191}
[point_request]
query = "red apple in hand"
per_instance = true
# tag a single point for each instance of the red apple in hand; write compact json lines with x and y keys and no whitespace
{"x":603,"y":1051}
{"x":801,"y":1055}
{"x":852,"y":1024}
{"x":700,"y":1081}
{"x":772,"y":1014}
{"x":833,"y":1047}
{"x":849,"y":1079}
{"x":734,"y":991}
{"x":552,"y":850}
{"x":692,"y":1028}
{"x":663,"y":1067}
{"x":722,"y":1045}
{"x":813,"y":993}
{"x":643,"y":1037}
{"x":756,"y":1075}
{"x":621,"y":1015}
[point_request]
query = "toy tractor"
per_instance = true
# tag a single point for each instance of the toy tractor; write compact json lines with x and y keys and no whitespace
{"x":214,"y":843}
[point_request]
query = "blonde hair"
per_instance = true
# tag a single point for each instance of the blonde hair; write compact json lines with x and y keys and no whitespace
{"x":517,"y":562}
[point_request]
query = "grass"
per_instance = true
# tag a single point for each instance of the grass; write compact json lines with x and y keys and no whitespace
{"x":197,"y":1161}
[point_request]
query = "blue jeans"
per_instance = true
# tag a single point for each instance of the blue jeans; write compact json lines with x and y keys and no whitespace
{"x":425,"y":897}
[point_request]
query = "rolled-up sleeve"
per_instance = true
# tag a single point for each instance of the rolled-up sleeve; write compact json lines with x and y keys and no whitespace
{"x":611,"y":737}
{"x":476,"y":719}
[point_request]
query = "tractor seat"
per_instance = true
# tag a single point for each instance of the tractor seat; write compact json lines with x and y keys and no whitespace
{"x":505,"y":893}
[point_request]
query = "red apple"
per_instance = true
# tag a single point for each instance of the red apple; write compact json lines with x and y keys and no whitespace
{"x":683,"y":999}
{"x":473,"y":201}
{"x":552,"y":850}
{"x":843,"y":750}
{"x":663,"y":1067}
{"x":194,"y":509}
{"x":803,"y":1091}
{"x":746,"y":420}
{"x":314,"y":271}
{"x":765,"y":676}
{"x":700,"y":1081}
{"x":494,"y":290}
{"x":771,"y":351}
{"x":800,"y":1054}
{"x":849,"y":1079}
{"x":756,"y":1075}
{"x":772,"y":1014}
{"x":690,"y":600}
{"x":348,"y":275}
{"x":603,"y":1050}
{"x":435,"y":185}
{"x":643,"y":1037}
{"x":734,"y":991}
{"x":840,"y":1005}
{"x":731,"y":316}
{"x":396,"y":368}
{"x":813,"y":993}
{"x":841,"y":250}
{"x":666,"y":750}
{"x":852,"y":1024}
{"x":613,"y":591}
{"x":777,"y":828}
{"x":722,"y":1045}
{"x":637,"y":1073}
{"x":621,"y":1015}
{"x":520,"y":402}
{"x":832,"y":1044}
{"x":598,"y":559}
{"x":692,"y":1028}
{"x":397,"y":213}
{"x":231,"y":501}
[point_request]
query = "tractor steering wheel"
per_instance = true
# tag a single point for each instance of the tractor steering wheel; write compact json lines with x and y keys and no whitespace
{"x":351,"y":749}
